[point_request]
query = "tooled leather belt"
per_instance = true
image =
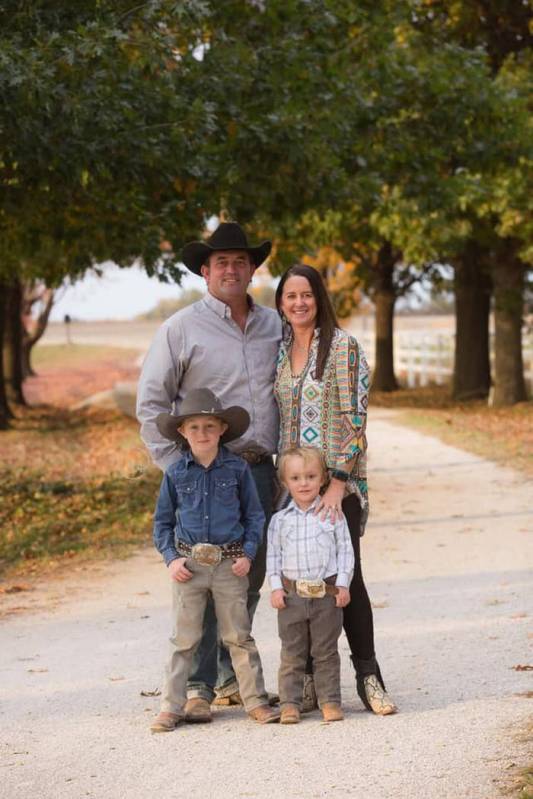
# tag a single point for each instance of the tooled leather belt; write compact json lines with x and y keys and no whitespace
{"x":290,"y":585}
{"x":233,"y":550}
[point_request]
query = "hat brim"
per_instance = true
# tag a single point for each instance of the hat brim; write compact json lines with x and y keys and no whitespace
{"x":237,"y":419}
{"x":196,"y":253}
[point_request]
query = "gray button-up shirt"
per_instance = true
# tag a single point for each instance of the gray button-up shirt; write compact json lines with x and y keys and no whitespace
{"x":201,"y":346}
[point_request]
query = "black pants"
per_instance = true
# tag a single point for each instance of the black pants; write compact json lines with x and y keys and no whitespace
{"x":358,"y":622}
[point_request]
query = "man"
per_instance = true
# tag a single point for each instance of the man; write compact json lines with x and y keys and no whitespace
{"x":226,"y":343}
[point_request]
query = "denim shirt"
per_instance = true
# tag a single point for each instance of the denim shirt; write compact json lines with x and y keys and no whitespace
{"x":217,"y":505}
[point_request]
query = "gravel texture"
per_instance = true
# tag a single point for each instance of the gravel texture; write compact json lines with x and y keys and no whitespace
{"x":446,"y":558}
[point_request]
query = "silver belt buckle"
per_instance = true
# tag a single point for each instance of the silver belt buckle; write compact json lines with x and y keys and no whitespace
{"x":206,"y":554}
{"x":311,"y":589}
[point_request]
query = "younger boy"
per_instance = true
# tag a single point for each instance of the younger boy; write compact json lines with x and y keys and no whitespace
{"x":310,"y":564}
{"x":208,"y":525}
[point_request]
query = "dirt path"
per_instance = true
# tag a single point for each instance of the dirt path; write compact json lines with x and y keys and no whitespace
{"x":446,"y":559}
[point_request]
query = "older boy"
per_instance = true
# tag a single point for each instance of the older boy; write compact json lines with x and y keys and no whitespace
{"x":208,"y":526}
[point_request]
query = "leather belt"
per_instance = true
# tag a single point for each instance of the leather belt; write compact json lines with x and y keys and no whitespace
{"x":253,"y":457}
{"x":291,"y":585}
{"x":210,"y":554}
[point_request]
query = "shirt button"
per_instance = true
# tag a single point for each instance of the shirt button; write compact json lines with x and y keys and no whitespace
{"x":206,"y":517}
{"x":205,"y":492}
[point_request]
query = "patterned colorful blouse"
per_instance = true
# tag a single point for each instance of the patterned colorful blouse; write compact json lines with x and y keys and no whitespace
{"x":329,"y":413}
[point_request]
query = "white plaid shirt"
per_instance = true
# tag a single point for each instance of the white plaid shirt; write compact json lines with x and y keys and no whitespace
{"x":303,"y":547}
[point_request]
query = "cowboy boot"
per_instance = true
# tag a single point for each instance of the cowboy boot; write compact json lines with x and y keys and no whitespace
{"x":371,"y":688}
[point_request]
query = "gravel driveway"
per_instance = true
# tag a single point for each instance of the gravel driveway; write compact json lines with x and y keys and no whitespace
{"x":446,"y":559}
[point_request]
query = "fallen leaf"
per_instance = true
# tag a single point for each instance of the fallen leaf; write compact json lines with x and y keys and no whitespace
{"x":383,"y":604}
{"x":522,"y":668}
{"x":155,"y":692}
{"x":37,"y":671}
{"x":116,"y":679}
{"x":143,"y":593}
{"x":521,"y":615}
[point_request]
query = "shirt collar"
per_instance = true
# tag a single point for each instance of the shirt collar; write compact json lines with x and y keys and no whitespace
{"x":220,"y":308}
{"x":293,"y":507}
{"x":220,"y":458}
{"x":288,"y":336}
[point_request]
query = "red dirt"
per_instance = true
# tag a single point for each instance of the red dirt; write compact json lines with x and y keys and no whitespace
{"x":63,"y":387}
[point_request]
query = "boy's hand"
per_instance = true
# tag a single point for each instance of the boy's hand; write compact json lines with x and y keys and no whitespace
{"x":343,"y":597}
{"x":241,"y":566}
{"x":277,"y":599}
{"x":179,"y":571}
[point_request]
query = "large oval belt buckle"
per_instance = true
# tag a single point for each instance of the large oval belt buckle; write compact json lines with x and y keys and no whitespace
{"x":311,"y":589}
{"x":206,"y":554}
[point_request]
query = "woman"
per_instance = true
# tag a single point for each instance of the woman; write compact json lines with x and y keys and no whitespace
{"x":321,"y":388}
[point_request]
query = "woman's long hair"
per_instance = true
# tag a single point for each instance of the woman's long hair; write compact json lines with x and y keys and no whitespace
{"x":326,"y":319}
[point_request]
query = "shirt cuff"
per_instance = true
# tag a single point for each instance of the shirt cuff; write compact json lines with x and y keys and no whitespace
{"x":343,"y":580}
{"x":250,"y":551}
{"x":275,"y":582}
{"x":170,"y":554}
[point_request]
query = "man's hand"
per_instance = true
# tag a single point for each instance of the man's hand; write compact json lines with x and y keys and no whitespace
{"x":179,"y":571}
{"x":343,"y":597}
{"x":241,"y":566}
{"x":277,"y":599}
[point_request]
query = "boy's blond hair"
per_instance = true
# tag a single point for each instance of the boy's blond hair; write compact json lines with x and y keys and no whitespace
{"x":307,"y":454}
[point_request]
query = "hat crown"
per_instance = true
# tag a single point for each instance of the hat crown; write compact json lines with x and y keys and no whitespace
{"x":228,"y":236}
{"x":200,"y":400}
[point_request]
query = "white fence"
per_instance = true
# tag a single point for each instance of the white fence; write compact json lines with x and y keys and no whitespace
{"x":421,"y":359}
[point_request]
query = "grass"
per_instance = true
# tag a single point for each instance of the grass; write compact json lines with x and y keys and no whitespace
{"x":72,"y":485}
{"x":504,"y":435}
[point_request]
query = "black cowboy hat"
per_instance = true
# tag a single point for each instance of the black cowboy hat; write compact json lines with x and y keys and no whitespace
{"x":227,"y":236}
{"x":198,"y":402}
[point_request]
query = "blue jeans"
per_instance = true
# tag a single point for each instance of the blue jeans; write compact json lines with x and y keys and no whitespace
{"x":212,"y":663}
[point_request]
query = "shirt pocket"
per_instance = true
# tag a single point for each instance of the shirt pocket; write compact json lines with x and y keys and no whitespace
{"x":326,"y":543}
{"x":226,"y":490}
{"x":188,"y":493}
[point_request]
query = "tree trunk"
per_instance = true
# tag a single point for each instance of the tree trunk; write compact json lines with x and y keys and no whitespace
{"x":32,"y":333}
{"x":5,"y":411}
{"x":471,"y":374}
{"x":509,"y":383}
{"x":13,"y":373}
{"x":383,"y":378}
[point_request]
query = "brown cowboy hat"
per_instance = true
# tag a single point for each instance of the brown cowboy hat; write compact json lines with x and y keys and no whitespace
{"x":227,"y":236}
{"x":198,"y":402}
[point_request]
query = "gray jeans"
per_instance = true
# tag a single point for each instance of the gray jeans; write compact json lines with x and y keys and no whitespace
{"x":309,"y":627}
{"x":189,"y":601}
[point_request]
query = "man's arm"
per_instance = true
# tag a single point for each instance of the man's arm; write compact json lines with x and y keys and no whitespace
{"x":157,"y":389}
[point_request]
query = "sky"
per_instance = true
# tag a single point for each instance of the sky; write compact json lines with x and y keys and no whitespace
{"x":118,"y":294}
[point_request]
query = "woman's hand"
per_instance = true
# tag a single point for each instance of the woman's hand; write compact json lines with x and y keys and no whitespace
{"x":331,"y":502}
{"x":343,"y":597}
{"x":277,"y":599}
{"x":241,"y":566}
{"x":179,"y":571}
